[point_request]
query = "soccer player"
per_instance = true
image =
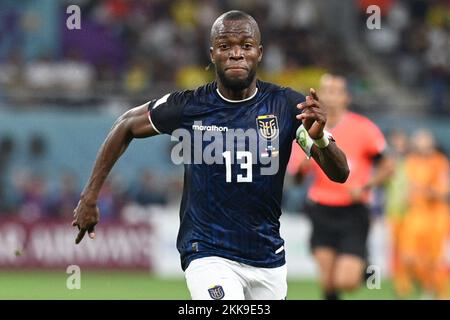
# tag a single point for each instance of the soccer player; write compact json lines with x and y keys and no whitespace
{"x":396,"y":203}
{"x":424,"y":232}
{"x":339,"y":212}
{"x":228,"y":238}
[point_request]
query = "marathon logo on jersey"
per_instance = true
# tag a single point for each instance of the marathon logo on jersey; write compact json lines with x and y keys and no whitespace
{"x":268,"y":126}
{"x":216,"y":292}
{"x":209,"y":128}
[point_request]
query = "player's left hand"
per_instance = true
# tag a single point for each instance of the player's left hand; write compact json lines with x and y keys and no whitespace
{"x":357,"y":194}
{"x":313,"y":116}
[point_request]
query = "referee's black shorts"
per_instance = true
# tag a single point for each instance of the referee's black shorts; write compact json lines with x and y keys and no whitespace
{"x":344,"y":229}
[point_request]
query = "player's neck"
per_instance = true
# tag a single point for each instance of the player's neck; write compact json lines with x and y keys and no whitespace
{"x":335,"y":117}
{"x":236,"y":95}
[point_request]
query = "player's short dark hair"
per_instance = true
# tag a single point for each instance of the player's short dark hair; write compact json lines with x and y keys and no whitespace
{"x":235,"y":15}
{"x":336,"y":73}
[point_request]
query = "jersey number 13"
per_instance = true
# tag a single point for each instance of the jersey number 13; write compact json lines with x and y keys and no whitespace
{"x":245,"y":165}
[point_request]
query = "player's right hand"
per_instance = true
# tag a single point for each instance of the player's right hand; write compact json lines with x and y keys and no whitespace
{"x":313,"y":116}
{"x":86,"y":216}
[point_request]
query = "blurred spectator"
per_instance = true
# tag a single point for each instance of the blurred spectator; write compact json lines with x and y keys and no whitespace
{"x":7,"y":146}
{"x":74,"y":74}
{"x":438,"y":65}
{"x":146,"y":192}
{"x":40,"y":74}
{"x":111,"y":199}
{"x":11,"y":70}
{"x":65,"y":198}
{"x":138,"y":76}
{"x":184,"y":13}
{"x":37,"y":156}
{"x":33,"y":198}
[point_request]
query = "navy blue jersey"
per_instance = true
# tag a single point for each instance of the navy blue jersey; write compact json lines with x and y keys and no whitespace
{"x":231,"y":206}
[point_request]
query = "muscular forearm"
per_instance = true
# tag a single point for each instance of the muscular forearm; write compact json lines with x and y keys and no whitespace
{"x":112,"y":148}
{"x":332,"y":161}
{"x":132,"y":124}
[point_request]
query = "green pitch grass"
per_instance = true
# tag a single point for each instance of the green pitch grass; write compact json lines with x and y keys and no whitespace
{"x":137,"y":285}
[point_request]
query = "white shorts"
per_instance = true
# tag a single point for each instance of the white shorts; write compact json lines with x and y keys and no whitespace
{"x":219,"y":278}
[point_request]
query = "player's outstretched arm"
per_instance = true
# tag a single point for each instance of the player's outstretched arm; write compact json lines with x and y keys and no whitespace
{"x":332,"y":161}
{"x":329,"y":157}
{"x":132,"y":124}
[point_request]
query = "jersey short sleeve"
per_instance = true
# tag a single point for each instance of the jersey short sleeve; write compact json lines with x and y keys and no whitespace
{"x":294,"y":98}
{"x":165,"y":113}
{"x":374,"y":138}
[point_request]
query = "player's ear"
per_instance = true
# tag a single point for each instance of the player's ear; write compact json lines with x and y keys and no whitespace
{"x":260,"y":53}
{"x":211,"y":55}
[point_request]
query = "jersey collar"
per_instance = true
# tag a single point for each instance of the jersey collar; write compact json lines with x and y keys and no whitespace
{"x":237,"y":101}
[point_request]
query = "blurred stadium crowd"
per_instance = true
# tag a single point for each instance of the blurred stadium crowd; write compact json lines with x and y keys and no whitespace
{"x":130,"y":50}
{"x":27,"y":190}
